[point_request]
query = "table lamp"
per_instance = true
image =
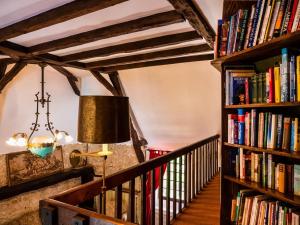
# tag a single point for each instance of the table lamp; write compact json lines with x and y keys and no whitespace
{"x":102,"y":120}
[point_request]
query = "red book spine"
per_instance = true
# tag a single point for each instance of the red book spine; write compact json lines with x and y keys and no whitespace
{"x":247,"y":91}
{"x":290,"y":25}
{"x":271,"y":84}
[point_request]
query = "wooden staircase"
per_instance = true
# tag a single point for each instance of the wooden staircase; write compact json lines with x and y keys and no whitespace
{"x":205,"y":208}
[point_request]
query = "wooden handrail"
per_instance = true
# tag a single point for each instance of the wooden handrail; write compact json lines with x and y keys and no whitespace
{"x":197,"y":164}
{"x":87,"y":191}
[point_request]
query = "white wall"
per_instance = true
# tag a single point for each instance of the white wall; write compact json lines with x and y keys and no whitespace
{"x":174,"y":104}
{"x":177,"y":104}
{"x":17,"y":106}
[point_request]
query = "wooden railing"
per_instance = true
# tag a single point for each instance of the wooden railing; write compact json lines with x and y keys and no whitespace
{"x":187,"y":171}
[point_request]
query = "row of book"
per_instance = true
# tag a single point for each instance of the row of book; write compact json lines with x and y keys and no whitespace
{"x":280,"y":83}
{"x":260,"y":23}
{"x":262,"y":168}
{"x":264,"y":130}
{"x":250,"y":208}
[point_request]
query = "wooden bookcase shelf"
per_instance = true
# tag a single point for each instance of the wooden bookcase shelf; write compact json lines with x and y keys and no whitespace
{"x":291,"y":199}
{"x":260,"y":51}
{"x":264,"y":105}
{"x":294,"y":155}
{"x":262,"y":55}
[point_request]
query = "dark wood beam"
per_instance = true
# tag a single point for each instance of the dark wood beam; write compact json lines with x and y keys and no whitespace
{"x":196,"y":18}
{"x":104,"y":82}
{"x":134,"y":46}
{"x":70,"y":77}
{"x":3,"y":67}
{"x":17,"y":52}
{"x":54,"y":16}
{"x":149,"y":56}
{"x":11,"y":74}
{"x":114,"y":78}
{"x":153,"y":21}
{"x":158,"y":62}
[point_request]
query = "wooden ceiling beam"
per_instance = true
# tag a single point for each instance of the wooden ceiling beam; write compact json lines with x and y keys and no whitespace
{"x":17,"y":52}
{"x":153,"y":21}
{"x":157,"y":63}
{"x":130,"y":47}
{"x":135,"y":131}
{"x":11,"y":74}
{"x":196,"y":18}
{"x":3,"y":67}
{"x":54,"y":16}
{"x":104,"y":82}
{"x":149,"y":56}
{"x":70,"y":77}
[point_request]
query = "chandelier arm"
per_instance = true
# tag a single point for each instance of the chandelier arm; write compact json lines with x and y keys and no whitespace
{"x":35,"y":124}
{"x":49,"y":124}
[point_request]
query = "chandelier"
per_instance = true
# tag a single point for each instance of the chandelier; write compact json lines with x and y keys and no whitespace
{"x":40,"y":145}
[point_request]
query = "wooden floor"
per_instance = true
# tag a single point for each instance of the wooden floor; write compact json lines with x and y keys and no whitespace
{"x":205,"y":208}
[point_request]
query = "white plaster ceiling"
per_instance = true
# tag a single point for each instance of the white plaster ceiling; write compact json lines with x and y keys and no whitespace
{"x":17,"y":10}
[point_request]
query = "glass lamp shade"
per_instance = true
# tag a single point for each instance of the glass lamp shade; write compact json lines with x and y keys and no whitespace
{"x":42,"y":146}
{"x":103,"y":119}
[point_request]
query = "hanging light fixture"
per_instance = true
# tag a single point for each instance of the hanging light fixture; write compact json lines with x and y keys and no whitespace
{"x":40,"y":145}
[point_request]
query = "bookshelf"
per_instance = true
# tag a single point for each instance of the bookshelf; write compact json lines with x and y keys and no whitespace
{"x":260,"y":54}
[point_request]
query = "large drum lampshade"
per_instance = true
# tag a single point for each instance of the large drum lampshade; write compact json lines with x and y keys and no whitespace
{"x":103,"y":119}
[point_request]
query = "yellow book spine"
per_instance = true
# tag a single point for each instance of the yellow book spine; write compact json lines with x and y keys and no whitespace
{"x":298,"y":77}
{"x":277,"y":83}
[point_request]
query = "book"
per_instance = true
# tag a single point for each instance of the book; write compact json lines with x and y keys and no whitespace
{"x":277,"y":83}
{"x":296,"y":179}
{"x":298,"y":77}
{"x":279,"y":131}
{"x":241,"y":126}
{"x":281,"y":177}
{"x":259,"y":21}
{"x":224,"y":38}
{"x":243,"y":23}
{"x":253,"y":129}
{"x":255,"y":22}
{"x":265,"y":21}
{"x":292,"y":79}
{"x":287,"y":16}
{"x":249,"y":26}
{"x":294,"y":9}
{"x":233,"y":210}
{"x":296,"y":19}
{"x":280,"y":18}
{"x":286,"y":133}
{"x":274,"y":19}
{"x":284,"y":78}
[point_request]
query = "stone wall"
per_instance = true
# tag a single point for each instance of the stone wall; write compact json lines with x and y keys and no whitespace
{"x":23,"y":209}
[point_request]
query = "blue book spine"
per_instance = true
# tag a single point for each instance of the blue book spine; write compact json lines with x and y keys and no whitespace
{"x":284,"y":81}
{"x":279,"y":131}
{"x":292,"y":79}
{"x":231,"y":90}
{"x":269,"y":134}
{"x":230,"y":33}
{"x":292,"y":136}
{"x":241,"y":126}
{"x":254,"y":24}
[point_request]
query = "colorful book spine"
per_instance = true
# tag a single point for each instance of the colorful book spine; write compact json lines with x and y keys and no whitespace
{"x":265,"y":21}
{"x":280,"y":17}
{"x":254,"y":25}
{"x":238,"y":29}
{"x":261,"y":130}
{"x":296,"y":19}
{"x":281,"y":177}
{"x":297,"y":180}
{"x":243,"y":30}
{"x":277,"y":83}
{"x":294,"y":9}
{"x":253,"y":127}
{"x":279,"y":131}
{"x":249,"y":26}
{"x":292,"y":79}
{"x":287,"y":17}
{"x":286,"y":133}
{"x":292,"y":135}
{"x":255,"y":89}
{"x":259,"y":22}
{"x":241,"y":126}
{"x":298,"y":77}
{"x":224,"y":38}
{"x":269,"y":20}
{"x":284,"y":78}
{"x":247,"y":91}
{"x":274,"y":19}
{"x":297,"y":135}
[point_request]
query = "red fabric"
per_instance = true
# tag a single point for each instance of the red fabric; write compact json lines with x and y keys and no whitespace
{"x":153,"y":154}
